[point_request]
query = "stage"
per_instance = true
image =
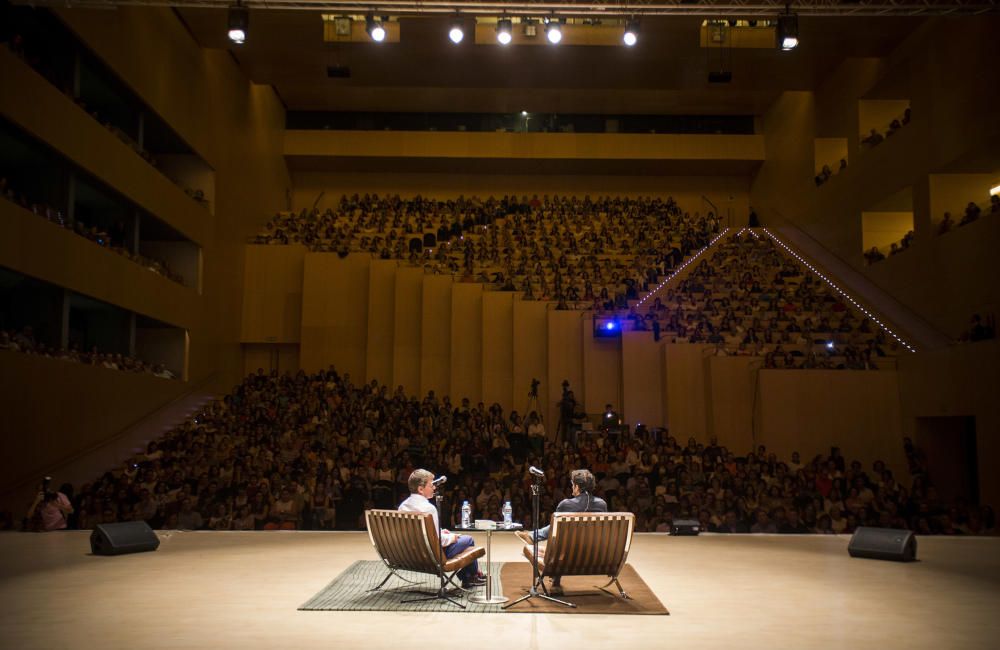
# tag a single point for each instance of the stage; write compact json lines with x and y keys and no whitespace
{"x":241,"y":590}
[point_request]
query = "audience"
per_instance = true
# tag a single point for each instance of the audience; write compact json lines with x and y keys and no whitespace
{"x":24,"y":341}
{"x":114,"y":241}
{"x":874,"y":137}
{"x":582,"y":253}
{"x":981,"y":329}
{"x":748,"y":298}
{"x":314,"y":451}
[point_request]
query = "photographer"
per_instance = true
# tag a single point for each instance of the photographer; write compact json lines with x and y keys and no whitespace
{"x":49,"y":510}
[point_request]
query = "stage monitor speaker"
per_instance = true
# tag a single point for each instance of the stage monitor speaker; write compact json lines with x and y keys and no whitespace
{"x":126,"y":537}
{"x":685,"y":527}
{"x":883,"y":544}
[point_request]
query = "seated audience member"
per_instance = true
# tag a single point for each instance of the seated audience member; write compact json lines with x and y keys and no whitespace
{"x":972,"y":212}
{"x":421,"y":484}
{"x":947,"y":223}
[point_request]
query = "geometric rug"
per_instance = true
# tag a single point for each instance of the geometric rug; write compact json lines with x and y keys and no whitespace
{"x":583,"y":592}
{"x":350,"y":591}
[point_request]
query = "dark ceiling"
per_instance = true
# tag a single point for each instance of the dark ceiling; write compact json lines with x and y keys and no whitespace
{"x":667,"y":73}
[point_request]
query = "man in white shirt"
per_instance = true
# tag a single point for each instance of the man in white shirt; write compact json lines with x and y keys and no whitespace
{"x":422,"y":489}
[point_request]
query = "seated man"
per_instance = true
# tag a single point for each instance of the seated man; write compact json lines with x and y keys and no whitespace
{"x":582,"y":500}
{"x":421,"y":484}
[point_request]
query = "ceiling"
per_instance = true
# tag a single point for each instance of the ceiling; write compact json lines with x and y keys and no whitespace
{"x":667,"y":73}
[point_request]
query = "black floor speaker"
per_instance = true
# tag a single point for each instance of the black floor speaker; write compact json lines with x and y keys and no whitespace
{"x":685,"y":527}
{"x":883,"y":544}
{"x":127,"y":537}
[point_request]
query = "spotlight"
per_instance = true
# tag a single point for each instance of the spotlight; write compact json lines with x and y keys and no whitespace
{"x":239,"y":23}
{"x":631,"y":36}
{"x":553,"y":31}
{"x":504,"y":31}
{"x":457,"y":32}
{"x":788,"y":31}
{"x":374,"y":28}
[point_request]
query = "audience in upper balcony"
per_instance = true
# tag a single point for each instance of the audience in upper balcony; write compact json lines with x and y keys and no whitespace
{"x":113,"y":241}
{"x":581,"y":253}
{"x":972,"y":212}
{"x":314,"y":451}
{"x":24,"y":341}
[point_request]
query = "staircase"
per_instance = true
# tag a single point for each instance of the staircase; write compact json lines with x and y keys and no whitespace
{"x":110,"y":454}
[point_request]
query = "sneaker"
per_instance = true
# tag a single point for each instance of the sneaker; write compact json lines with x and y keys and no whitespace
{"x":472,"y":583}
{"x":524,"y":536}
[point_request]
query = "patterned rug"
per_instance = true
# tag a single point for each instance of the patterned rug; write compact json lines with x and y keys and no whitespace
{"x":350,"y":591}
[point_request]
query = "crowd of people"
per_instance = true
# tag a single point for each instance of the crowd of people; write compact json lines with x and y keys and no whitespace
{"x":580,"y":252}
{"x":825,"y":173}
{"x":114,"y":241}
{"x":748,"y":298}
{"x":875,"y":137}
{"x":314,"y":451}
{"x":972,"y":213}
{"x":24,"y":341}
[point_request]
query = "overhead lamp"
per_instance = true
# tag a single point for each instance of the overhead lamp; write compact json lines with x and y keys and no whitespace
{"x":788,"y":31}
{"x":631,"y":35}
{"x":505,"y":31}
{"x":374,"y":28}
{"x":553,"y":31}
{"x":457,"y":32}
{"x":239,"y":23}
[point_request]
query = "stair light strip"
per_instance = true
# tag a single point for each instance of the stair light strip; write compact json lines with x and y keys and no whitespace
{"x":681,"y":267}
{"x":836,"y":288}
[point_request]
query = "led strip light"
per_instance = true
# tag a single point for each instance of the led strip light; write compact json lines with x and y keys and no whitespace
{"x":835,"y":288}
{"x":681,"y":267}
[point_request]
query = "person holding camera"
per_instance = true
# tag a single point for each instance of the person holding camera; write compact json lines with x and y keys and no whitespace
{"x":50,"y":510}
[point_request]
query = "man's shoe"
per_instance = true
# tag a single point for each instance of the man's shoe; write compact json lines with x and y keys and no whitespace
{"x":524,"y":536}
{"x":472,"y":583}
{"x":555,"y":590}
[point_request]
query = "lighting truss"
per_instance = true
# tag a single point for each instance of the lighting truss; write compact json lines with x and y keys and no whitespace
{"x":571,"y":8}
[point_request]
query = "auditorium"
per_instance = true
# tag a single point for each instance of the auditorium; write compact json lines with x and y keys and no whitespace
{"x":662,"y":323}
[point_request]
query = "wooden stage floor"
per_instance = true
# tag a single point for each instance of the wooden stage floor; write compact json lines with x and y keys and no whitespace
{"x":241,"y":590}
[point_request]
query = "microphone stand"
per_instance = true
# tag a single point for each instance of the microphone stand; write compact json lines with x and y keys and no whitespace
{"x":536,"y":577}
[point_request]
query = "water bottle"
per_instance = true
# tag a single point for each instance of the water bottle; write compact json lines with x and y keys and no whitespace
{"x":466,"y":515}
{"x":508,"y":515}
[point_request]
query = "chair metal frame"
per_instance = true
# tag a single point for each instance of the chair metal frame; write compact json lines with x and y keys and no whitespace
{"x":408,"y":541}
{"x":570,"y":549}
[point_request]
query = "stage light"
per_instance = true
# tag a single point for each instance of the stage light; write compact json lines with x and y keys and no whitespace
{"x":374,"y":28}
{"x":504,"y":31}
{"x":609,"y":326}
{"x":829,"y":345}
{"x":553,"y":31}
{"x":788,"y":31}
{"x":457,"y":32}
{"x":239,"y":23}
{"x":995,"y":190}
{"x":631,"y":36}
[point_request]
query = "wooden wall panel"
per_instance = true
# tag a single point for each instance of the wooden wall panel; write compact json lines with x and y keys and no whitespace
{"x":407,"y":322}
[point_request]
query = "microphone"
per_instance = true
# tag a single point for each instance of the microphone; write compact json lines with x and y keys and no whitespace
{"x":441,"y":480}
{"x":534,"y":471}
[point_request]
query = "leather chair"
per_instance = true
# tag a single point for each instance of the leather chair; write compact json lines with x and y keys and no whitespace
{"x":586,"y":543}
{"x":408,"y":541}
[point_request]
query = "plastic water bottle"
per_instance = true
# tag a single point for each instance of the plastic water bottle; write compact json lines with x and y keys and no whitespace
{"x":508,"y":515}
{"x":466,"y":515}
